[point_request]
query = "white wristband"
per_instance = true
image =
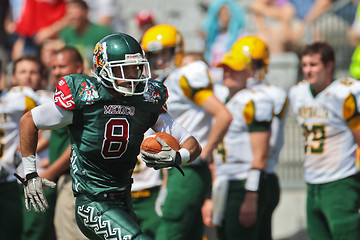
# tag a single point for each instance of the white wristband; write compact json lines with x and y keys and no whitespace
{"x":29,"y":163}
{"x":253,"y":180}
{"x":185,"y":155}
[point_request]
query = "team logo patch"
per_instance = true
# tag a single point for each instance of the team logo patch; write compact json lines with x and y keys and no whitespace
{"x":62,"y":96}
{"x":151,"y":95}
{"x":88,"y":93}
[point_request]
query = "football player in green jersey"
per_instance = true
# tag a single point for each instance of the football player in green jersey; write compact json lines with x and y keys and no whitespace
{"x":106,"y":116}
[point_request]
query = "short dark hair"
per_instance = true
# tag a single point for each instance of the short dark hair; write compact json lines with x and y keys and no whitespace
{"x":35,"y":59}
{"x":325,"y":50}
{"x":80,"y":3}
{"x":74,"y":53}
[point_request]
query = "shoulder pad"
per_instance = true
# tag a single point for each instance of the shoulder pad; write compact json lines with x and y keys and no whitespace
{"x":197,"y":75}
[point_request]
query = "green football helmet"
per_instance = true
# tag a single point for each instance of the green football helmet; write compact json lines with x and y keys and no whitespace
{"x":119,"y":63}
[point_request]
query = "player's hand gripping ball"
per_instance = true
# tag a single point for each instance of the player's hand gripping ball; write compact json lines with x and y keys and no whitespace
{"x":160,"y":150}
{"x":151,"y":145}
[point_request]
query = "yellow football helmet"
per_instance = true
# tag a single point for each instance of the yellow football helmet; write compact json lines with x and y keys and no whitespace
{"x":258,"y":51}
{"x":160,"y":37}
{"x":236,"y":60}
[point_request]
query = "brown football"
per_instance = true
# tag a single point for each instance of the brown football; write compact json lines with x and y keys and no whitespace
{"x":151,"y":145}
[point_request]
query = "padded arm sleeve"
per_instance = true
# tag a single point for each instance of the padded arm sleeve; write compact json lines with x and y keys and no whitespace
{"x":49,"y":116}
{"x":165,"y":123}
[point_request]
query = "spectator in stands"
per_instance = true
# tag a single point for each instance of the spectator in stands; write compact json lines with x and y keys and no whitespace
{"x":223,"y":24}
{"x":4,"y":37}
{"x":308,"y":11}
{"x":106,"y":13}
{"x":47,"y":51}
{"x":144,"y":21}
{"x":354,"y":31}
{"x":274,"y":22}
{"x":38,"y":21}
{"x":81,"y":33}
{"x":329,"y":20}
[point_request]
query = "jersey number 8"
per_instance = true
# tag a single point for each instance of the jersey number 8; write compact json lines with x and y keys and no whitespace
{"x":116,"y":138}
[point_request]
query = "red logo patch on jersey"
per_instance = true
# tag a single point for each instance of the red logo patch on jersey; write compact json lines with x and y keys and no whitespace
{"x":62,"y":96}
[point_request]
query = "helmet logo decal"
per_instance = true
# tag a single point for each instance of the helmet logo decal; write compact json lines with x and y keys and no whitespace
{"x":133,"y":56}
{"x":97,"y":55}
{"x":151,"y":95}
{"x":88,"y":93}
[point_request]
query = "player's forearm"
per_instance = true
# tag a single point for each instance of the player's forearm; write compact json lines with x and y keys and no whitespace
{"x":28,"y":135}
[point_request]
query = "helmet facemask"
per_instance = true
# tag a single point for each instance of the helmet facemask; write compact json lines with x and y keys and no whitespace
{"x":124,"y":75}
{"x":166,"y":56}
